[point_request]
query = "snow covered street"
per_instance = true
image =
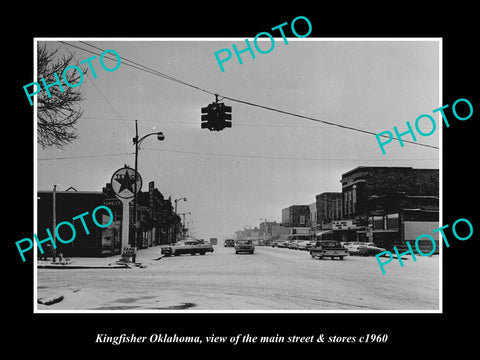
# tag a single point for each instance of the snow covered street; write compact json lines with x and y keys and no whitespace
{"x":271,"y":279}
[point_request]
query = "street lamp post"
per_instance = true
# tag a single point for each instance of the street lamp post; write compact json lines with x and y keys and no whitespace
{"x":177,"y":200}
{"x":136,"y":142}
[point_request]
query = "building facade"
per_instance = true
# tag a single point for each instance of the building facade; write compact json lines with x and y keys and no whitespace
{"x":296,"y":216}
{"x":390,"y":205}
{"x":157,"y":222}
{"x":70,"y":204}
{"x":328,"y":205}
{"x":313,"y":216}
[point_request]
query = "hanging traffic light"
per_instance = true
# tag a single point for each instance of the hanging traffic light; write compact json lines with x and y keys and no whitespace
{"x":216,"y":116}
{"x":226,"y":115}
{"x":206,"y":117}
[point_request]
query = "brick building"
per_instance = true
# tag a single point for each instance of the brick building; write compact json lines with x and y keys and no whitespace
{"x":328,"y":206}
{"x":296,"y":216}
{"x":70,"y":204}
{"x":158,"y":224}
{"x":388,"y":205}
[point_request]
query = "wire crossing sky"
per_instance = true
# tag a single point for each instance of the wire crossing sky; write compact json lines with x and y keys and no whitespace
{"x":266,"y":161}
{"x":171,"y":78}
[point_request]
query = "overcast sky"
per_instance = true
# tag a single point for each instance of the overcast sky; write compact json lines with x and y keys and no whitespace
{"x":267,"y":160}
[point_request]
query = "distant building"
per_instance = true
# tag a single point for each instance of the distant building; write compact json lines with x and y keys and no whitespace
{"x":247,"y":233}
{"x":296,"y":216}
{"x":269,"y":230}
{"x":313,"y":215}
{"x":328,"y":209}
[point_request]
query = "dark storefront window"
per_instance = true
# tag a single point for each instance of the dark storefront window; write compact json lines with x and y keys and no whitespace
{"x":392,"y":221}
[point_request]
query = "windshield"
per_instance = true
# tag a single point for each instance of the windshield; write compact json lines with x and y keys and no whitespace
{"x":329,"y":243}
{"x":299,"y":237}
{"x":244,"y":242}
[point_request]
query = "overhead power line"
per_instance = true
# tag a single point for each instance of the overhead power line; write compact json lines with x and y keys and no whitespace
{"x":84,"y":156}
{"x":273,"y":157}
{"x":171,"y":78}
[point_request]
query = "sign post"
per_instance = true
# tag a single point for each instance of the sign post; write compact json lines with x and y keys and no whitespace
{"x":123,"y":184}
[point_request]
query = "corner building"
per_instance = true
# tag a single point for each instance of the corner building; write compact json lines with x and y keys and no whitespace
{"x":391,"y":205}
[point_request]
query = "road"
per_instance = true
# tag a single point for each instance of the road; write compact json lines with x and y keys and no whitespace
{"x":271,"y":279}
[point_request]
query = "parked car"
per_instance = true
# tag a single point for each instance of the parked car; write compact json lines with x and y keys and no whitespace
{"x":303,"y":244}
{"x":282,"y":243}
{"x":293,"y":245}
{"x":369,"y":249}
{"x":244,"y":246}
{"x":213,"y":241}
{"x":191,"y":247}
{"x":328,"y":248}
{"x":229,"y":243}
{"x":352,"y":247}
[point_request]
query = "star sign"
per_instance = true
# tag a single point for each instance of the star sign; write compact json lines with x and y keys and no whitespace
{"x":126,"y":181}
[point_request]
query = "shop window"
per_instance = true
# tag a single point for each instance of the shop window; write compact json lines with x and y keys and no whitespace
{"x":392,"y":221}
{"x":378,"y":223}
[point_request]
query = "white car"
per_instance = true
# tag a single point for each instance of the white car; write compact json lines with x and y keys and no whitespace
{"x":188,"y":246}
{"x":352,"y":247}
{"x":369,"y":249}
{"x":303,"y":244}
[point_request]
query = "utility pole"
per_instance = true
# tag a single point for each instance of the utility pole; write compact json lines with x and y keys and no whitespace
{"x":54,"y":217}
{"x":135,"y":140}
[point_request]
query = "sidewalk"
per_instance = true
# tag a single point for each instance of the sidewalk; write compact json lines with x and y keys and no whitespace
{"x":144,"y":256}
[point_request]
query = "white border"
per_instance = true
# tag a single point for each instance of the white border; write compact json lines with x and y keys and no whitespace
{"x":330,"y":39}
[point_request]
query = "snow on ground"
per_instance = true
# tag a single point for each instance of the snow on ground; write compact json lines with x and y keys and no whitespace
{"x":270,"y":279}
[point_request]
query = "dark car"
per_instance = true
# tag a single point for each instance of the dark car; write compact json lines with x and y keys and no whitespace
{"x":328,"y":248}
{"x":191,"y":247}
{"x":244,"y":246}
{"x":229,"y":243}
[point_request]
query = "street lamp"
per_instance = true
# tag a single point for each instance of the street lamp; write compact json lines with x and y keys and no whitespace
{"x":137,"y":142}
{"x":177,"y":200}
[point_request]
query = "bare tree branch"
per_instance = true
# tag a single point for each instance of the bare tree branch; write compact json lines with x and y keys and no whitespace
{"x":57,"y":115}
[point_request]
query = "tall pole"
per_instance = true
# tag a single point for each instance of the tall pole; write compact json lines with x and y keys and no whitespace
{"x":135,"y":188}
{"x":136,"y":141}
{"x":54,"y":212}
{"x":54,"y":217}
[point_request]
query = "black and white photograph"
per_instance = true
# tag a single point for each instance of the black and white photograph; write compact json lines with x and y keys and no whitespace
{"x":212,"y":181}
{"x":282,"y":206}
